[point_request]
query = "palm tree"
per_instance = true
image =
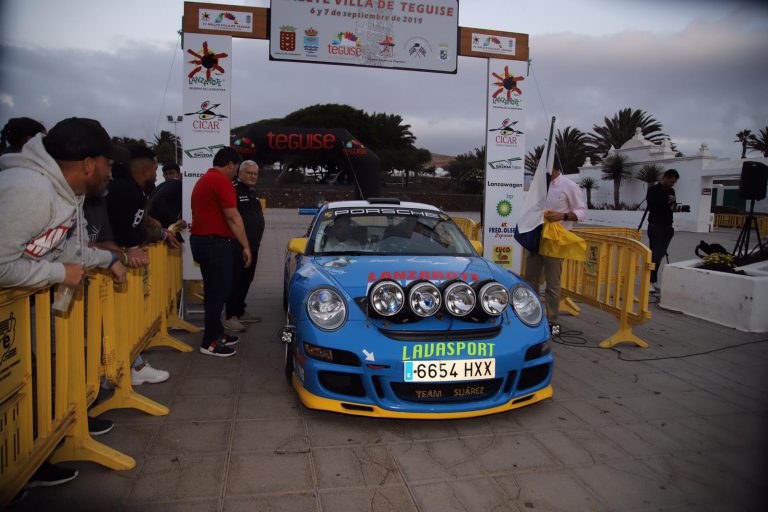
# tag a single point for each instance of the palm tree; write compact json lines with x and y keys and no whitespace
{"x":167,"y":147}
{"x":571,"y":148}
{"x":759,"y":142}
{"x":615,"y":169}
{"x":621,"y":127}
{"x":743,"y":138}
{"x":589,"y":184}
{"x":650,"y":174}
{"x":532,"y":159}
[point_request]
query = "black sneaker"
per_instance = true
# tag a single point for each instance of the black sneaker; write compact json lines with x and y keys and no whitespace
{"x":49,"y":475}
{"x":229,"y":339}
{"x":98,"y":427}
{"x":218,"y":349}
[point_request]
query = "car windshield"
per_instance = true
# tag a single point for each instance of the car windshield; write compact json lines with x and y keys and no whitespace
{"x":400,"y":231}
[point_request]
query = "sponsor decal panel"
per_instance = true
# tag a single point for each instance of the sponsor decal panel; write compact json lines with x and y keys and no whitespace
{"x":230,"y":21}
{"x":374,"y":33}
{"x":496,"y":44}
{"x":208,"y":70}
{"x":505,"y":143}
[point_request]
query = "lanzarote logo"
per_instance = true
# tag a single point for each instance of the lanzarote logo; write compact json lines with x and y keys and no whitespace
{"x":207,"y":118}
{"x":206,"y":61}
{"x":508,"y":91}
{"x":508,"y":135}
{"x":311,"y":41}
{"x":345,"y":44}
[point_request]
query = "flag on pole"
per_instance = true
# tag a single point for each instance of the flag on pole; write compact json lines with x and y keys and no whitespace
{"x":531,"y":220}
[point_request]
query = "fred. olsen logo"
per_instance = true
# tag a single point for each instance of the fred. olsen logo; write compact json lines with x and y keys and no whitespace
{"x":206,"y":118}
{"x":508,"y":92}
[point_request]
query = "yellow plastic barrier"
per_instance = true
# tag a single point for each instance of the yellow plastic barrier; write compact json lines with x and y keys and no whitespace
{"x":618,"y":266}
{"x":468,"y":227}
{"x":615,"y":278}
{"x":120,"y":322}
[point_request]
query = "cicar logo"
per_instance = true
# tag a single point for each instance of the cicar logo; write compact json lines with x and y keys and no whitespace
{"x":208,"y":60}
{"x":207,"y":118}
{"x":345,"y":44}
{"x":508,"y":135}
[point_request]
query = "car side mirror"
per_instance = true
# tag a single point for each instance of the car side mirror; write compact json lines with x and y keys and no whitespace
{"x":478,"y":246}
{"x":297,"y":245}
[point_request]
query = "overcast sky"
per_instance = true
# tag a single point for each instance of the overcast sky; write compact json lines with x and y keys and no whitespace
{"x":699,"y":67}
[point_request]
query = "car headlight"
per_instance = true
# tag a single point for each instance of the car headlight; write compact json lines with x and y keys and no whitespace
{"x":387,"y":298}
{"x":424,"y":299}
{"x":526,"y":305}
{"x":326,"y":309}
{"x":459,"y":299}
{"x":494,"y":298}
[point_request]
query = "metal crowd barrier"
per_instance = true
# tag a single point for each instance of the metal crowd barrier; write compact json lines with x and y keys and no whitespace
{"x":615,"y":277}
{"x":46,"y":386}
{"x":736,"y":221}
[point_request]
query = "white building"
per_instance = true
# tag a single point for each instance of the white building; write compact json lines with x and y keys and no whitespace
{"x":702,"y":177}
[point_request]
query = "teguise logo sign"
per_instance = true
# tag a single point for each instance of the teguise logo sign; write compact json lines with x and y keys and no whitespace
{"x":345,"y":44}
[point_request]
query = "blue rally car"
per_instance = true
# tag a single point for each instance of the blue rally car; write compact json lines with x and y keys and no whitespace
{"x":392,"y":313}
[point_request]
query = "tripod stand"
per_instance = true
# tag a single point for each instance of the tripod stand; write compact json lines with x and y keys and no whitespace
{"x":742,"y":243}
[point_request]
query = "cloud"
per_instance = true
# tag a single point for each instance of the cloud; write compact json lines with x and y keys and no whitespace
{"x":703,"y":83}
{"x":6,"y":99}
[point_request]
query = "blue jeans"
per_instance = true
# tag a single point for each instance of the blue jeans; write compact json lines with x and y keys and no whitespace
{"x":659,"y":237}
{"x":214,"y":255}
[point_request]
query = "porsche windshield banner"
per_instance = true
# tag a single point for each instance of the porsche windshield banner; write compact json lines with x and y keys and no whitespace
{"x":419,"y":35}
{"x":505,"y":160}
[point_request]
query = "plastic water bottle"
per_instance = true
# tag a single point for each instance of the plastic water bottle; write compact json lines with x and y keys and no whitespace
{"x":63,"y":298}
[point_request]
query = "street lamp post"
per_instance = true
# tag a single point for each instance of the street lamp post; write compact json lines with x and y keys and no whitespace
{"x":175,"y":137}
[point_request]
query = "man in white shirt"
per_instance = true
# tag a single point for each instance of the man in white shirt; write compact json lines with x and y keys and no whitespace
{"x":565,"y":203}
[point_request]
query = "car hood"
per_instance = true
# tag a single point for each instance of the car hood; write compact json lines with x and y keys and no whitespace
{"x":355,"y":274}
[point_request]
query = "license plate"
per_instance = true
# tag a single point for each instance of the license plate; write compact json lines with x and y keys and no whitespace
{"x":453,"y":370}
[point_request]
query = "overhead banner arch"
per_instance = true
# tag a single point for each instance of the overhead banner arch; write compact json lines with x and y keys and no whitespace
{"x":207,"y":32}
{"x":324,"y":144}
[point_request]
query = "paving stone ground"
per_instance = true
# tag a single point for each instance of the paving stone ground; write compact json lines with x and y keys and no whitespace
{"x":630,"y":430}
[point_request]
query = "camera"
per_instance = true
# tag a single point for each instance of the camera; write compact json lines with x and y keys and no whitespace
{"x":677,"y":208}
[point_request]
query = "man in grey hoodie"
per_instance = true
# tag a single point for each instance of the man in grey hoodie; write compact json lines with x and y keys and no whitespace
{"x":41,"y":195}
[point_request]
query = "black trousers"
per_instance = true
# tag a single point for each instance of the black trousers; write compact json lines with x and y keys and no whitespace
{"x":214,"y":255}
{"x":241,"y":280}
{"x":659,"y":237}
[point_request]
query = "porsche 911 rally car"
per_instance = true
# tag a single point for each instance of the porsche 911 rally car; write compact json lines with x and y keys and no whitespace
{"x":392,"y":313}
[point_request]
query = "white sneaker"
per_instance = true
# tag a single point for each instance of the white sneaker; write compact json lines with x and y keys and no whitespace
{"x":148,"y":374}
{"x":233,"y":324}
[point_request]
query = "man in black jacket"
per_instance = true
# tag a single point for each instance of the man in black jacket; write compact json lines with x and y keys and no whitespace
{"x":249,"y":207}
{"x":661,"y":200}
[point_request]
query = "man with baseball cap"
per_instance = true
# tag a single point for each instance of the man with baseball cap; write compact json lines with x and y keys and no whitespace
{"x":41,"y":196}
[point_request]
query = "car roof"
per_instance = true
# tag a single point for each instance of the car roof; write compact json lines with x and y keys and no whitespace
{"x":382,"y":204}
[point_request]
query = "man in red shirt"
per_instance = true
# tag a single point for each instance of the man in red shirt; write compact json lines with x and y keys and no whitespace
{"x":216,"y":225}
